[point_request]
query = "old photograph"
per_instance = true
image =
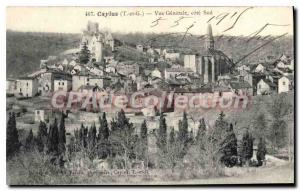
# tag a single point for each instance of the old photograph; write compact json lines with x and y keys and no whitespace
{"x":150,"y":95}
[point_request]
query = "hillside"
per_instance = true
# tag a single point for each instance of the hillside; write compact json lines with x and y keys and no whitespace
{"x":235,"y":47}
{"x":25,"y":50}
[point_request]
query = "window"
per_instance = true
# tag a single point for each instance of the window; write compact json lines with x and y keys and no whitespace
{"x":27,"y":84}
{"x":38,"y":112}
{"x":59,"y":83}
{"x":63,"y":83}
{"x":259,"y":86}
{"x":283,"y":83}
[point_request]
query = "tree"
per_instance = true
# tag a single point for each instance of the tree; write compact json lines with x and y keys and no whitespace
{"x":84,"y":55}
{"x":229,"y":148}
{"x":53,"y":138}
{"x":29,"y":142}
{"x":122,"y":137}
{"x":92,"y":142}
{"x":103,"y":129}
{"x":144,"y":133}
{"x":144,"y":140}
{"x":261,"y":151}
{"x":92,"y":136}
{"x":83,"y":135}
{"x":221,"y":124}
{"x":191,"y":137}
{"x":201,"y":131}
{"x":41,"y":138}
{"x":12,"y":136}
{"x":279,"y":109}
{"x":162,"y":133}
{"x":247,"y":147}
{"x":103,"y":138}
{"x":183,"y":135}
{"x":172,"y":136}
{"x":62,"y":134}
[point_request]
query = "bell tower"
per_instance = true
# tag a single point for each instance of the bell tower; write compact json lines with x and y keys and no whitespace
{"x":209,"y":41}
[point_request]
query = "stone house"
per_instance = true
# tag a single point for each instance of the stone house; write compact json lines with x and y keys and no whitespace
{"x":284,"y":84}
{"x":62,"y":85}
{"x":11,"y":86}
{"x":82,"y":80}
{"x":46,"y":81}
{"x":26,"y":87}
{"x":265,"y":87}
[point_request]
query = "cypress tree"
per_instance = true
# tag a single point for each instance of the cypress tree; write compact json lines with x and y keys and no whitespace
{"x":41,"y":138}
{"x":92,"y":141}
{"x":201,"y":131}
{"x":183,"y":135}
{"x":53,"y":138}
{"x":247,"y":147}
{"x":103,"y":129}
{"x":162,"y":133}
{"x":93,"y":136}
{"x":29,"y":144}
{"x":62,"y":134}
{"x":144,"y":132}
{"x":83,"y":136}
{"x":172,"y":136}
{"x":103,"y":136}
{"x":144,"y":139}
{"x":12,"y":136}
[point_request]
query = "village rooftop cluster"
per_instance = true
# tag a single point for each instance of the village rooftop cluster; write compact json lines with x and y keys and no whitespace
{"x":108,"y":66}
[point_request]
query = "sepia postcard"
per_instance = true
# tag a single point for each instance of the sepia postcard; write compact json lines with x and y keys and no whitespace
{"x":150,"y":95}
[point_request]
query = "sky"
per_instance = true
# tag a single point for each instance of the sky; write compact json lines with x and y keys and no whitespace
{"x":233,"y":21}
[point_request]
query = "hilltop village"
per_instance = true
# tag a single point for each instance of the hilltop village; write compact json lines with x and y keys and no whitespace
{"x":156,"y":141}
{"x":101,"y":63}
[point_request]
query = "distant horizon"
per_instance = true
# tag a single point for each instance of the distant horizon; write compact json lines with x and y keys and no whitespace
{"x":126,"y":33}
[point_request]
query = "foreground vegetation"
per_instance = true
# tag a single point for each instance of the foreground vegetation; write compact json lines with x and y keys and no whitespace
{"x":91,"y":153}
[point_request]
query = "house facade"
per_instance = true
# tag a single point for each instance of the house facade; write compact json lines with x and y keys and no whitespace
{"x":62,"y":85}
{"x":87,"y":80}
{"x":46,"y":81}
{"x":265,"y":87}
{"x":26,"y":87}
{"x":11,"y":86}
{"x":283,"y":85}
{"x":190,"y":62}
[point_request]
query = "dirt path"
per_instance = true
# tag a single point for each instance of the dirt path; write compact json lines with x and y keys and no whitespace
{"x":276,"y":174}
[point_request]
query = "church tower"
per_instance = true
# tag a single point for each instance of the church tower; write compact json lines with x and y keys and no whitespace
{"x":209,"y":41}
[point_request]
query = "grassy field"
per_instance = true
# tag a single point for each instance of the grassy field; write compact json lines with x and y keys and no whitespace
{"x":277,"y":174}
